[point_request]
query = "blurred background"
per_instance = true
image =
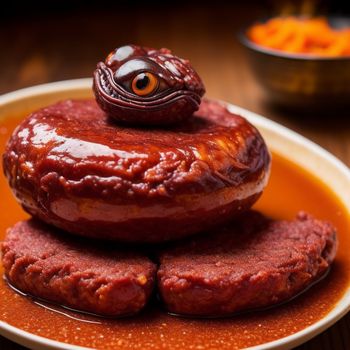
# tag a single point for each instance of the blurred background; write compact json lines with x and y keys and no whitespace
{"x":56,"y":40}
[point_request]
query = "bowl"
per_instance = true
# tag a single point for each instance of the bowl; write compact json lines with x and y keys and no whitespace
{"x":301,"y":81}
{"x":281,"y":140}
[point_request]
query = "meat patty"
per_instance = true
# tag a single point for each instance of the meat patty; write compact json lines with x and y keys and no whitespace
{"x":74,"y":167}
{"x":254,"y":262}
{"x":88,"y":276}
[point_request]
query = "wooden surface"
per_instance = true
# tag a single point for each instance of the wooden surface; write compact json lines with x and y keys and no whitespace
{"x":40,"y":46}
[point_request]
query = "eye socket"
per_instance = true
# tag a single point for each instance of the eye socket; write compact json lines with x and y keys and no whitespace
{"x":144,"y":84}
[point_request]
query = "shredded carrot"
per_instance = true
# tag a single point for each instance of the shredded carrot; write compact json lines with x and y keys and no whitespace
{"x":302,"y":35}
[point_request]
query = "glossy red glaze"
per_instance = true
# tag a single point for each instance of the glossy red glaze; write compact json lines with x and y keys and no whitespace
{"x":72,"y":166}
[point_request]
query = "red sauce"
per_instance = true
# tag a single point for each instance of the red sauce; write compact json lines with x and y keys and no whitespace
{"x":290,"y":189}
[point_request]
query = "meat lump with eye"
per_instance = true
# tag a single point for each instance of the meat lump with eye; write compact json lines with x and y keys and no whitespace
{"x":144,"y":86}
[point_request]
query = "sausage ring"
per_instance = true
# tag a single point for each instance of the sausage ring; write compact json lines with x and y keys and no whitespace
{"x":72,"y":166}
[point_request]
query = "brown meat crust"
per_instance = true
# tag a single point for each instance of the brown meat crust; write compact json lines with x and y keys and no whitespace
{"x":252,"y":263}
{"x":72,"y":166}
{"x":88,"y":276}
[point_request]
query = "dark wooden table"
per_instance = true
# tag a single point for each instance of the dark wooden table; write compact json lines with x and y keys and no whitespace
{"x":39,"y":46}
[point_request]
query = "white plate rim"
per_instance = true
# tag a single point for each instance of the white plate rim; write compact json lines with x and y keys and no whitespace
{"x":341,"y":308}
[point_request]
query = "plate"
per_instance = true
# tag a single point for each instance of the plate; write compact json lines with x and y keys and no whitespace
{"x":329,"y":174}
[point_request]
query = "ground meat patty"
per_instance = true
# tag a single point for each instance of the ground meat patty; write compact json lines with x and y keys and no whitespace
{"x":252,"y":263}
{"x":74,"y":167}
{"x":92,"y":277}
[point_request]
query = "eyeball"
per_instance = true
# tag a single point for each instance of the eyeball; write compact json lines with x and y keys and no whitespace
{"x":144,"y":84}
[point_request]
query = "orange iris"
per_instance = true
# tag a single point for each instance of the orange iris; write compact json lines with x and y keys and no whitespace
{"x":144,"y":84}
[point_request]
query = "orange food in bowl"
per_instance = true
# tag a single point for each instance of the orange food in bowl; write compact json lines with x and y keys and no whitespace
{"x":302,"y":36}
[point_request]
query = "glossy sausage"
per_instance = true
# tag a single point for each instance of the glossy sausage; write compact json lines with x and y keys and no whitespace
{"x":73,"y":166}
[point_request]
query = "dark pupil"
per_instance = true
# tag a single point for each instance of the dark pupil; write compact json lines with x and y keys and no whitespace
{"x":142,"y":81}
